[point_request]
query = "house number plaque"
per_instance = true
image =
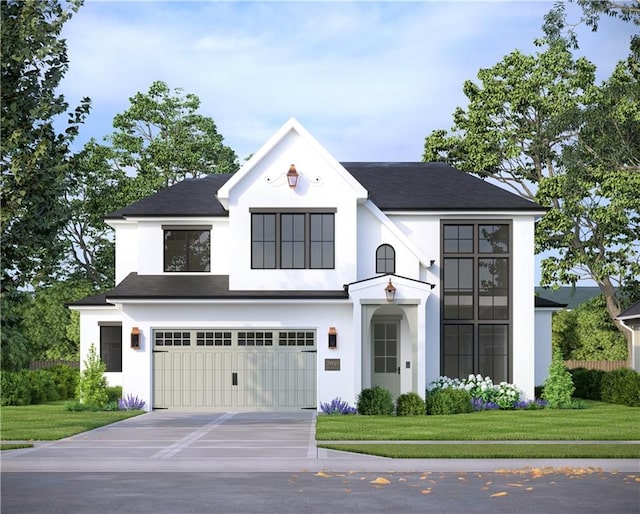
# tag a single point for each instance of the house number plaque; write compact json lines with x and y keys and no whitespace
{"x":332,"y":364}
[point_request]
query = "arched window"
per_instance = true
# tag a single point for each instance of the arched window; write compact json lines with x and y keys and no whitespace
{"x":385,"y":259}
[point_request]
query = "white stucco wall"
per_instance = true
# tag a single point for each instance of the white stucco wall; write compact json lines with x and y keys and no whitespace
{"x":371,"y":233}
{"x":523,"y":312}
{"x":126,"y":239}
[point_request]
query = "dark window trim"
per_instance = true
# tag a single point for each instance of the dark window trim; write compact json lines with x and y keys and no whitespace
{"x":109,"y":362}
{"x":475,"y":321}
{"x":184,"y":228}
{"x":307,"y":237}
{"x":187,"y":227}
{"x":386,"y":260}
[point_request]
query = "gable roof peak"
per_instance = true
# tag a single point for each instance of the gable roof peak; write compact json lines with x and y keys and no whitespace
{"x":291,"y":125}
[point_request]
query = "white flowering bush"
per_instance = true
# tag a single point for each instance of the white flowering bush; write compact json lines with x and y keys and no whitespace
{"x":484,"y":393}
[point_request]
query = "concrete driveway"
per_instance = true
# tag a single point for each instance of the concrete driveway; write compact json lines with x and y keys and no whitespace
{"x":235,"y":441}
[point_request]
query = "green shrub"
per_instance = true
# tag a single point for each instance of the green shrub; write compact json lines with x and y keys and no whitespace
{"x":375,"y":401}
{"x":588,"y":383}
{"x":66,"y":380}
{"x":114,"y":393}
{"x":449,"y":401}
{"x":15,"y":388}
{"x":410,"y":404}
{"x":558,"y":387}
{"x":92,"y":386}
{"x":621,"y":386}
{"x":43,"y":388}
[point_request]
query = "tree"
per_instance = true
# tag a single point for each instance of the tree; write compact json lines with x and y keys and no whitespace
{"x":543,"y":128}
{"x":98,"y":188}
{"x":34,"y":156}
{"x":556,"y":25}
{"x":164,"y":140}
{"x":587,"y":333}
{"x":50,"y":327}
{"x":159,"y":140}
{"x":16,"y":352}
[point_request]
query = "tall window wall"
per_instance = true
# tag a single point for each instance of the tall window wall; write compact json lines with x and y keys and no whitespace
{"x":476,"y":300}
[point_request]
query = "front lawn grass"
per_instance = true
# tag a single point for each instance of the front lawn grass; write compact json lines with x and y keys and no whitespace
{"x":51,"y":421}
{"x":493,"y":451}
{"x":598,"y":421}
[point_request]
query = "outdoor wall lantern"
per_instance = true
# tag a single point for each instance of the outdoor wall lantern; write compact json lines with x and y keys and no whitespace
{"x":390,"y":291}
{"x":292,"y":176}
{"x":135,"y":338}
{"x":333,"y":337}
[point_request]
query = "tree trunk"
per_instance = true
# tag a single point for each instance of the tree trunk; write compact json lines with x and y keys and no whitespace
{"x":613,"y":308}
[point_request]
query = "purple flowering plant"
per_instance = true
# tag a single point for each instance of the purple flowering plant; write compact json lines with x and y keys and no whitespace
{"x":130,"y":402}
{"x":337,"y":406}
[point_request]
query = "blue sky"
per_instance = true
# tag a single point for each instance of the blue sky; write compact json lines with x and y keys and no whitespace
{"x":368,"y":79}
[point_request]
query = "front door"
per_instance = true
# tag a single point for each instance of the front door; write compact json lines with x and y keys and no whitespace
{"x":386,"y":357}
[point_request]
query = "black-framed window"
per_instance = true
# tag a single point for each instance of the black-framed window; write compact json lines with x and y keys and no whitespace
{"x":292,"y":240}
{"x":187,"y":250}
{"x":385,"y":259}
{"x":476,"y":300}
{"x":111,"y":347}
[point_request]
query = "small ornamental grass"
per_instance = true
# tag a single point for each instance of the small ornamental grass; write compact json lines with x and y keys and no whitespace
{"x":337,"y":406}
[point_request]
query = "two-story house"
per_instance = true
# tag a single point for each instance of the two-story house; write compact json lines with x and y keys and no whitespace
{"x":300,"y":279}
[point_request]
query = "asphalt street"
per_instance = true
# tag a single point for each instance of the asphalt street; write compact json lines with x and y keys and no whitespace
{"x":560,"y":491}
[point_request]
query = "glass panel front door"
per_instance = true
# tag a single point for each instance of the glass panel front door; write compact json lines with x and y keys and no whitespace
{"x":386,"y":356}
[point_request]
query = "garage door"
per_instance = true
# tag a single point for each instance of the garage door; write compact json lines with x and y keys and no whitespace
{"x":234,"y":369}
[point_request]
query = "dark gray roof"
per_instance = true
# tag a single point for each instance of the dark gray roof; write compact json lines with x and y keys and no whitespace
{"x":549,"y":304}
{"x":568,"y":295}
{"x":391,"y":185}
{"x":432,"y":186}
{"x":631,"y":312}
{"x":95,"y":300}
{"x":201,"y":287}
{"x":191,"y":197}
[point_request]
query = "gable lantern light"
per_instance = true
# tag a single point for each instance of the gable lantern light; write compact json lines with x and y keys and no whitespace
{"x":292,"y":176}
{"x":390,"y":291}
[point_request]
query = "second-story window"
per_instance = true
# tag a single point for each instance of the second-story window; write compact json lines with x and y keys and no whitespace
{"x":385,"y":259}
{"x":187,"y":249}
{"x":292,"y":240}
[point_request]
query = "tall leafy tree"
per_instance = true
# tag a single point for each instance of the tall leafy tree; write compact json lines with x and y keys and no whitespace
{"x":541,"y":126}
{"x":50,"y":327}
{"x":35,"y":156}
{"x":164,"y":139}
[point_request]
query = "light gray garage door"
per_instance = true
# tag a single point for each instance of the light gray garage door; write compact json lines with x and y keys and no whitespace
{"x":234,"y":369}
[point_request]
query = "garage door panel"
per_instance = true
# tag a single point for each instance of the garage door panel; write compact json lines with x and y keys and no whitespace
{"x":268,"y":376}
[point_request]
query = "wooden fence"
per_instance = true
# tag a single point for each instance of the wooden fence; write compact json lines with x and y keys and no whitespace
{"x":601,"y":365}
{"x":44,"y":364}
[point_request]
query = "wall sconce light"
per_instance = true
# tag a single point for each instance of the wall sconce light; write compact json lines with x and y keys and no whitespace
{"x":292,"y":176}
{"x":333,"y":337}
{"x":135,"y":338}
{"x":390,"y":291}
